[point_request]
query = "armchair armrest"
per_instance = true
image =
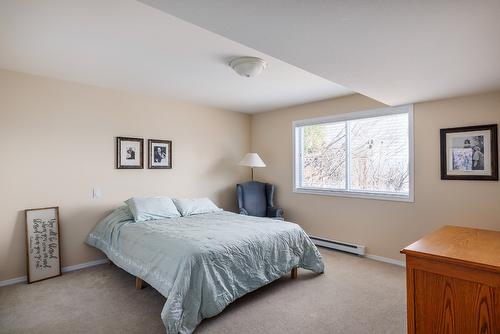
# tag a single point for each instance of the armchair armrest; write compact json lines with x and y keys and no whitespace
{"x":273,"y":212}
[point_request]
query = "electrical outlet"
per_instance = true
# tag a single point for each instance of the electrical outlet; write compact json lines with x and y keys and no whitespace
{"x":96,"y":193}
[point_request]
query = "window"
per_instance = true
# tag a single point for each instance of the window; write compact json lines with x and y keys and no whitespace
{"x":364,"y":154}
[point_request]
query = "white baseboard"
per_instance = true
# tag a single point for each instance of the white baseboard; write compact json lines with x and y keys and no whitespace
{"x":16,"y":280}
{"x":84,"y":265}
{"x":386,"y":260}
{"x":24,"y":279}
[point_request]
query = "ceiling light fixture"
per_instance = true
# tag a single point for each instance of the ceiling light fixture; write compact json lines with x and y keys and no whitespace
{"x":248,"y":66}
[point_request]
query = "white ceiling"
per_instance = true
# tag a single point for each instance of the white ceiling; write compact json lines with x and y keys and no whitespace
{"x":395,"y":51}
{"x":127,"y":45}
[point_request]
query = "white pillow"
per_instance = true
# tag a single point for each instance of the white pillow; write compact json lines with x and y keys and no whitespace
{"x":195,"y":206}
{"x":152,"y":208}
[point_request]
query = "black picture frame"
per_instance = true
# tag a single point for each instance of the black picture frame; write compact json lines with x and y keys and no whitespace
{"x":151,"y":163}
{"x":493,"y":153}
{"x":120,"y":164}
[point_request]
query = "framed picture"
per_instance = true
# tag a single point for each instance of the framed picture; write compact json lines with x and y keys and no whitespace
{"x":129,"y":153}
{"x":42,"y":243}
{"x":159,"y":153}
{"x":469,"y":153}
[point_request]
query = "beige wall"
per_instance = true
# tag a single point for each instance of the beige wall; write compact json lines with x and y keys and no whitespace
{"x":57,"y":141}
{"x":383,"y":226}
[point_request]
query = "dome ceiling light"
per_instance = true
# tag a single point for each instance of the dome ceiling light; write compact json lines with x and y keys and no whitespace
{"x":248,"y":66}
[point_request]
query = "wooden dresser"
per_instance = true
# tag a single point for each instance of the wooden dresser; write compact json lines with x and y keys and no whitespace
{"x":453,"y":282}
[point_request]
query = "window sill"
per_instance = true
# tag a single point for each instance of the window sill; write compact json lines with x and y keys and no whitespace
{"x":355,"y":194}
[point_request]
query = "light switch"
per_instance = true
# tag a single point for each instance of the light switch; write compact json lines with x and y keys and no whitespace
{"x":96,"y":193}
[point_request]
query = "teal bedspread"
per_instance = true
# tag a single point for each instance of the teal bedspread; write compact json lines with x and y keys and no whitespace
{"x":204,"y":262}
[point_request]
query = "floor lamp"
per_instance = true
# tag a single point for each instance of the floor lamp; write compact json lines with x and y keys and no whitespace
{"x":252,"y":160}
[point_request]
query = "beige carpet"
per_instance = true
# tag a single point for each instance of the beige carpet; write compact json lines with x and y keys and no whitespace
{"x":355,"y":295}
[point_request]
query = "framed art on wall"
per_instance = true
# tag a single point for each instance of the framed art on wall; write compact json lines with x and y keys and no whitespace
{"x":129,"y":153}
{"x":159,"y":154}
{"x":42,"y":243}
{"x":469,"y":153}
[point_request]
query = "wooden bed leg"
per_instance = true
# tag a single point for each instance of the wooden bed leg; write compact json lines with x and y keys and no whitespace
{"x":138,"y":283}
{"x":295,"y":272}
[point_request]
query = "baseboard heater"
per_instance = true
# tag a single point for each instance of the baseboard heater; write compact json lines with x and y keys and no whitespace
{"x":338,"y":245}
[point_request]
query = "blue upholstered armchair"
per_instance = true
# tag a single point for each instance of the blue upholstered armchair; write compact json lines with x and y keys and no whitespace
{"x":256,"y":199}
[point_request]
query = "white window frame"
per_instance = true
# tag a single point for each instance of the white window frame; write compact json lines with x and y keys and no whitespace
{"x":297,"y":161}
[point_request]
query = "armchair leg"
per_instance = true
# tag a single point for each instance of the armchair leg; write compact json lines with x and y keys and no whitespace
{"x":295,"y":273}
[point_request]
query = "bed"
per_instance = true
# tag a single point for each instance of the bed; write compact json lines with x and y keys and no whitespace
{"x":202,"y":263}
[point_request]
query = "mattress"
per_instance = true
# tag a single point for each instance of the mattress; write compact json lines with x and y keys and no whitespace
{"x":202,"y":263}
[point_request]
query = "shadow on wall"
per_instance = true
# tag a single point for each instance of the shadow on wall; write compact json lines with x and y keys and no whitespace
{"x":83,"y":218}
{"x":18,"y":239}
{"x":227,"y":198}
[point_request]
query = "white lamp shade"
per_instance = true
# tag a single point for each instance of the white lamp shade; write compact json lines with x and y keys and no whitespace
{"x":252,"y":160}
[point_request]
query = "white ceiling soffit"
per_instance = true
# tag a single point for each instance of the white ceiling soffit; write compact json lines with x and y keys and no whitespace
{"x":127,"y":45}
{"x":395,"y":51}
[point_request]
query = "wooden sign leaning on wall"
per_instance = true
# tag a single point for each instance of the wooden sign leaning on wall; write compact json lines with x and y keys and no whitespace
{"x":42,"y":243}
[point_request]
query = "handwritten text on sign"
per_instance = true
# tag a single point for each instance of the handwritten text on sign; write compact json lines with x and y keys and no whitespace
{"x":43,"y":243}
